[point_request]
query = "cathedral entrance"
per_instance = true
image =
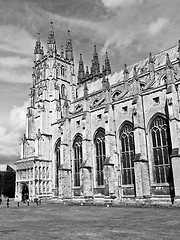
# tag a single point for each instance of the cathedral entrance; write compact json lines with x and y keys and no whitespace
{"x":25,"y":192}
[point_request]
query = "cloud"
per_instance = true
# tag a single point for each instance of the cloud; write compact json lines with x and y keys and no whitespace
{"x":156,"y":26}
{"x":11,"y":134}
{"x":118,"y":3}
{"x":117,"y":41}
{"x":16,"y":40}
{"x":15,"y":62}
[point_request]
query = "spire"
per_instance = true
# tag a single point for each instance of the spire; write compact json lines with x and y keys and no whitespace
{"x":103,"y":71}
{"x":125,"y":72}
{"x":135,"y":75}
{"x":151,"y":60}
{"x":85,"y":90}
{"x":81,"y":69}
{"x":38,"y":51}
{"x":51,"y":41}
{"x":62,"y":51}
{"x":107,"y":65}
{"x":69,"y":49}
{"x":95,"y":69}
{"x":87,"y":72}
{"x":136,"y":85}
{"x":151,"y":67}
{"x":169,"y":74}
{"x":105,"y":83}
{"x":168,"y":61}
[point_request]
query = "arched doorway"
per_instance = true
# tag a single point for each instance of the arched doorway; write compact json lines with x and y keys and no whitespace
{"x":25,"y":192}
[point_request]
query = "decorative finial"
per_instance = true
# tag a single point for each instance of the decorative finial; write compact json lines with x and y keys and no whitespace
{"x":135,"y":75}
{"x":95,"y":49}
{"x":52,"y":26}
{"x":168,"y":61}
{"x":38,"y":37}
{"x":125,"y":69}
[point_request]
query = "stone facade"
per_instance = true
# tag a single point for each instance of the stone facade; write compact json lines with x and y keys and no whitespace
{"x":102,"y":136}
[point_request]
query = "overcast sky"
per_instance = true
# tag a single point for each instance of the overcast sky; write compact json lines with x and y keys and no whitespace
{"x":127,"y":29}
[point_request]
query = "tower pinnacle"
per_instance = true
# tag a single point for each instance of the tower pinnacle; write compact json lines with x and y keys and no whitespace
{"x":81,"y":69}
{"x":38,"y":51}
{"x":95,"y":69}
{"x":51,"y":41}
{"x":69,"y":48}
{"x":107,"y":65}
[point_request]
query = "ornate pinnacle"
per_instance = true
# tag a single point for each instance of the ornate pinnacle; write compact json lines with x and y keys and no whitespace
{"x":51,"y":37}
{"x":69,"y":48}
{"x":135,"y":75}
{"x":168,"y":61}
{"x":37,"y":49}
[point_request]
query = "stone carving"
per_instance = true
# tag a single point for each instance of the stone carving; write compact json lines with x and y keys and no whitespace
{"x":78,"y":108}
{"x":97,"y":102}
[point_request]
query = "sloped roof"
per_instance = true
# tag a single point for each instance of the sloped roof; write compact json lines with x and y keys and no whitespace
{"x":6,"y":167}
{"x":159,"y":60}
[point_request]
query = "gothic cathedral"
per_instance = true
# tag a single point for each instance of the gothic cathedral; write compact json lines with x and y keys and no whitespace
{"x":101,"y":136}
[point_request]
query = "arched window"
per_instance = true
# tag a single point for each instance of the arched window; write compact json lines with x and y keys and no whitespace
{"x":78,"y":155}
{"x":57,"y":161}
{"x":161,"y":146}
{"x":100,"y":156}
{"x":63,"y":90}
{"x":127,"y":154}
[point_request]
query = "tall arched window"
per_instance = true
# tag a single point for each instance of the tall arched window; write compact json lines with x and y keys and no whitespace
{"x":161,"y":146}
{"x":63,"y":90}
{"x":127,"y":153}
{"x":100,"y":155}
{"x":78,"y":155}
{"x":58,"y":161}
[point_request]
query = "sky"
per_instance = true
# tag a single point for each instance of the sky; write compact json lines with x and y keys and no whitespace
{"x":127,"y":29}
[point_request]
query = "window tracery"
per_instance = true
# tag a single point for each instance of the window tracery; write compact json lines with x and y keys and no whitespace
{"x":100,"y":156}
{"x":127,"y":154}
{"x":161,"y":146}
{"x":78,"y":155}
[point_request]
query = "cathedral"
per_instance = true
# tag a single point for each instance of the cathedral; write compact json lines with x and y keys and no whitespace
{"x":101,"y":136}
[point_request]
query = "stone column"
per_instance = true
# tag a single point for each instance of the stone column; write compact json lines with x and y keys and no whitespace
{"x":65,"y":168}
{"x":141,"y":166}
{"x":110,"y":175}
{"x":86,"y":165}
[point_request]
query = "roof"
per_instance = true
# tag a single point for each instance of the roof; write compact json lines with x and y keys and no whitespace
{"x":6,"y":167}
{"x":159,"y":60}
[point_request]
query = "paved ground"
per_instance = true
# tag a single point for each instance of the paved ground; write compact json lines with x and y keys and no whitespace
{"x":58,"y":221}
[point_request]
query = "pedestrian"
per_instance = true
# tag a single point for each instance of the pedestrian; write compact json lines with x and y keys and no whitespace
{"x":28,"y":202}
{"x":0,"y":200}
{"x":7,"y":202}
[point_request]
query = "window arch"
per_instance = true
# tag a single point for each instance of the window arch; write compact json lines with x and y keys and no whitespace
{"x":161,"y":147}
{"x":57,"y":161}
{"x":63,"y":90}
{"x":127,"y":153}
{"x":99,"y":141}
{"x":78,"y":155}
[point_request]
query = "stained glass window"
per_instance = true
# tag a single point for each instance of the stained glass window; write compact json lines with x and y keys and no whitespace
{"x":100,"y":156}
{"x":127,"y":154}
{"x":78,"y":155}
{"x":161,"y":146}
